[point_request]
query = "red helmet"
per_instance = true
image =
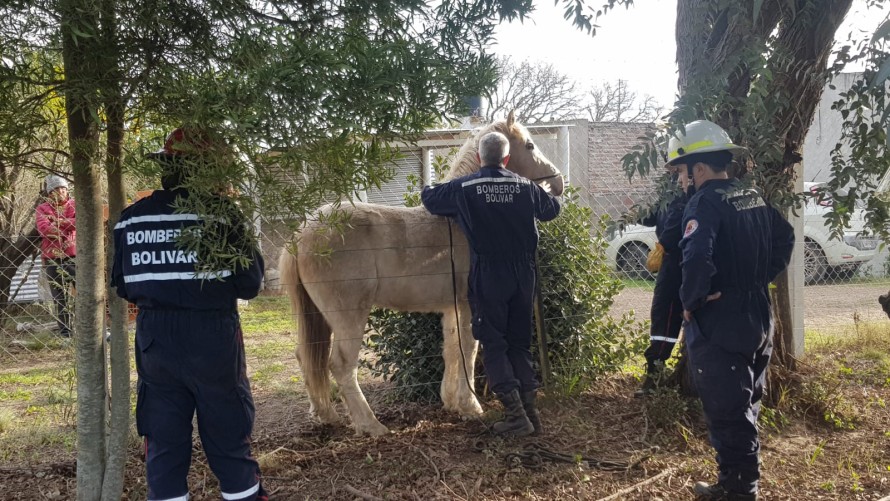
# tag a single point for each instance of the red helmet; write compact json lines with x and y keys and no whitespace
{"x":187,"y":141}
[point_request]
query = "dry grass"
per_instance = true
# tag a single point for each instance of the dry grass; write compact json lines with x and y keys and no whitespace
{"x":807,"y":453}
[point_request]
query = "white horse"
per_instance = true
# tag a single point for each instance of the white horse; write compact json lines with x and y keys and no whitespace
{"x":397,"y":258}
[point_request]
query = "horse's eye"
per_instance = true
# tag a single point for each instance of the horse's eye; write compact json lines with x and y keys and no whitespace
{"x":529,"y":145}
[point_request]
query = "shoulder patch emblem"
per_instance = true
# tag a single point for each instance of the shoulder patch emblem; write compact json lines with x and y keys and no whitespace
{"x":691,"y":226}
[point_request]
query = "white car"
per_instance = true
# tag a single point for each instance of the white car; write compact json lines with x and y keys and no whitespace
{"x":824,"y":257}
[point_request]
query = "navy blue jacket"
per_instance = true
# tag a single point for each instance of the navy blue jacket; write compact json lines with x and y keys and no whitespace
{"x":496,"y":209}
{"x":153,"y":272}
{"x":735,"y":244}
{"x":668,"y":224}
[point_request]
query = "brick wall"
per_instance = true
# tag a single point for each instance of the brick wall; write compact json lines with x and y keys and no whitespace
{"x":610,"y":191}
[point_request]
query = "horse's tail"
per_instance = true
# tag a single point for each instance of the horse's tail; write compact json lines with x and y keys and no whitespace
{"x":313,"y":333}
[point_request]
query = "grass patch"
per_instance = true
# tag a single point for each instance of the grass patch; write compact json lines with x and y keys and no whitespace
{"x":637,"y":283}
{"x":34,"y":377}
{"x":272,"y":349}
{"x":265,"y":374}
{"x":267,"y":315}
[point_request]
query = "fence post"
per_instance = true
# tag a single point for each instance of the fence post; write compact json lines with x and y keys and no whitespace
{"x":540,"y":330}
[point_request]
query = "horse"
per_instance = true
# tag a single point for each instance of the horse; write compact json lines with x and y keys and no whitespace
{"x":392,"y":257}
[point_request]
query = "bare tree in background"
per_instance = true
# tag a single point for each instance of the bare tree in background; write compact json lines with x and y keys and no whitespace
{"x":617,"y":103}
{"x":537,"y":92}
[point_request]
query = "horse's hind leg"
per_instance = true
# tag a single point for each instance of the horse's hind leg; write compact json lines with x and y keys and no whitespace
{"x":348,"y":333}
{"x":460,"y":358}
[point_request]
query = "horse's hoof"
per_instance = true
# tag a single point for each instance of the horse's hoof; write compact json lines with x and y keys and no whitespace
{"x":328,"y":417}
{"x":374,"y":430}
{"x":470,"y":411}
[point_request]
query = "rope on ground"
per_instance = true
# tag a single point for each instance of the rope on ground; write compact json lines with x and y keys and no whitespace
{"x":637,"y":485}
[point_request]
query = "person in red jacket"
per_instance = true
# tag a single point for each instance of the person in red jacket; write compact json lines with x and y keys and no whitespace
{"x":55,"y":223}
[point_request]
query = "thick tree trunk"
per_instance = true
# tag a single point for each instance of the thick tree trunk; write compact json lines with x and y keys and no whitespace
{"x":81,"y":54}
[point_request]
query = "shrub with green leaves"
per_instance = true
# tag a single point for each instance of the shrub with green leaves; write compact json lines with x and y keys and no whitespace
{"x":577,"y":290}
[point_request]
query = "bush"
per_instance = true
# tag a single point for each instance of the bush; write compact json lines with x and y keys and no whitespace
{"x":578,"y":288}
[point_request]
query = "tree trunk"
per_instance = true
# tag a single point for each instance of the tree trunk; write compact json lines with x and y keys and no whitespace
{"x":113,"y":486}
{"x":783,"y":340}
{"x":81,"y":54}
{"x":114,"y":102}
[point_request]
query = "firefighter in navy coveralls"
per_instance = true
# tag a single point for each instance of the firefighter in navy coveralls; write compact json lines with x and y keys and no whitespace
{"x":734,"y":245}
{"x":189,"y":348}
{"x":496,"y":209}
{"x":666,"y":315}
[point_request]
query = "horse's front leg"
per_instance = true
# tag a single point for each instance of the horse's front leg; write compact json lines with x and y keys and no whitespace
{"x":348,"y":333}
{"x":460,"y":358}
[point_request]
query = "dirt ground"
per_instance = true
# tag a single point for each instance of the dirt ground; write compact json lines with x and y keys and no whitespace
{"x":827,"y":438}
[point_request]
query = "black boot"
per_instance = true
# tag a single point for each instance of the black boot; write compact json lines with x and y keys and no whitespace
{"x":648,"y":387}
{"x":716,"y":492}
{"x":529,"y":399}
{"x":515,"y":421}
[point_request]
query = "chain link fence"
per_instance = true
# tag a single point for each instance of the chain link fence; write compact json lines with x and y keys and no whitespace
{"x":843,"y":277}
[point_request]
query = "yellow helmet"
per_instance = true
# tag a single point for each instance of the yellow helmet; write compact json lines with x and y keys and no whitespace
{"x":702,"y":136}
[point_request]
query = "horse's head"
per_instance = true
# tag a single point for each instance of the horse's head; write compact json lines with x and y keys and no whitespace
{"x":525,"y":157}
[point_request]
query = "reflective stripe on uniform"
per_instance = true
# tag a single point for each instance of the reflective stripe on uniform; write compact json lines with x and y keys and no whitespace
{"x":664,"y":338}
{"x":243,"y":494}
{"x":471,"y":182}
{"x":156,"y":219}
{"x":185,"y":275}
{"x":179,"y":498}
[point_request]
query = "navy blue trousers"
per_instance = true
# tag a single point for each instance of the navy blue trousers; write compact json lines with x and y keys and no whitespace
{"x":192,"y":361}
{"x":730,"y":386}
{"x":501,"y":294}
{"x":667,"y":313}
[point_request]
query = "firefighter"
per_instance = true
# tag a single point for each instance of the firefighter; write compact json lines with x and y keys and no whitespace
{"x":734,"y":244}
{"x":189,"y":346}
{"x":496,"y":209}
{"x":667,"y":312}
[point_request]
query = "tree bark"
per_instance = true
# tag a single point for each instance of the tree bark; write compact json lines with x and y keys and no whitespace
{"x":115,"y":103}
{"x":113,"y":486}
{"x":81,"y":55}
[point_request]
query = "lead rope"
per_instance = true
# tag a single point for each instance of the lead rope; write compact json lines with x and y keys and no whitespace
{"x":533,"y":454}
{"x":460,"y":344}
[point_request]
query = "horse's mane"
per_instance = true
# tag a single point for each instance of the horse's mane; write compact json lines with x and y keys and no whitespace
{"x":465,"y":162}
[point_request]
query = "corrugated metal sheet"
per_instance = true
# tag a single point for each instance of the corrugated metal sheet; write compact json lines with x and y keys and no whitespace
{"x":23,"y":288}
{"x":393,"y":192}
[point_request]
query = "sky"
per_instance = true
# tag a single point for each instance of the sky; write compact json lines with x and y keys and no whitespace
{"x":636,"y":44}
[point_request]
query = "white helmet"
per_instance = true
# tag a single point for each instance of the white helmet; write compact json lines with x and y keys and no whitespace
{"x":702,"y":136}
{"x":53,"y":182}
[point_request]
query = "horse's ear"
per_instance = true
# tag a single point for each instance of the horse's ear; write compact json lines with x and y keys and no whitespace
{"x":511,"y":117}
